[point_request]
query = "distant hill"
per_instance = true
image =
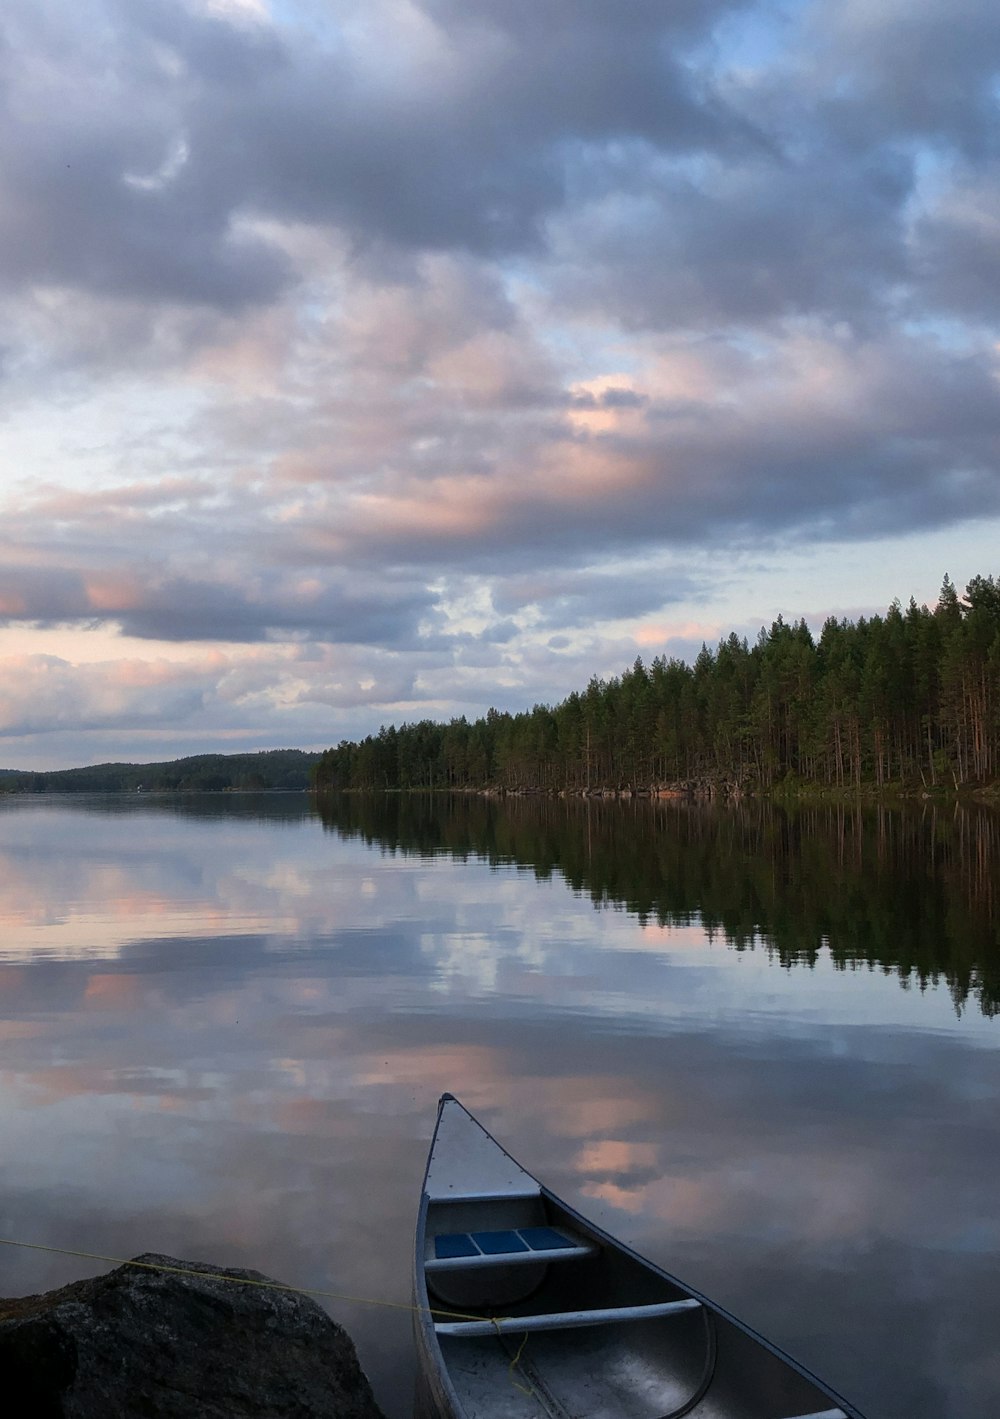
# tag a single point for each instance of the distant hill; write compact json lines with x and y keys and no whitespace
{"x":201,"y":773}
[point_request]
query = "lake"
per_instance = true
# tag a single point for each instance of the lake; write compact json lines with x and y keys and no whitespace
{"x":761,"y":1046}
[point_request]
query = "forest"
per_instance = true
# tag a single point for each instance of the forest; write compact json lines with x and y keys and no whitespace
{"x":908,"y":701}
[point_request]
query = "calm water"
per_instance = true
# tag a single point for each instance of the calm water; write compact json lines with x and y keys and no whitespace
{"x":761,"y":1048}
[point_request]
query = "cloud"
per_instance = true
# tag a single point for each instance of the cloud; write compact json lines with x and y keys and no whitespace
{"x":136,"y":142}
{"x":955,"y":247}
{"x":42,"y":693}
{"x":588,"y":598}
{"x":768,"y":239}
{"x":912,"y":71}
{"x":186,"y":608}
{"x":100,"y":182}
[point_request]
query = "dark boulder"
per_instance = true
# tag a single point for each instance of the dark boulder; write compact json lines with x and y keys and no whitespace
{"x":186,"y":1344}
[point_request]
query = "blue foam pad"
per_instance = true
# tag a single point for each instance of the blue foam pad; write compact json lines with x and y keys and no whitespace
{"x":452,"y":1244}
{"x":544,"y":1238}
{"x":493,"y":1243}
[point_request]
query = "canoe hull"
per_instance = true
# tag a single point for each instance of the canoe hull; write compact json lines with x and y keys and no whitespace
{"x":572,"y":1324}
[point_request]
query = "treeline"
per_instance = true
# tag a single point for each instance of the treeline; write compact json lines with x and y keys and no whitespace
{"x":910,"y":699}
{"x":911,"y":891}
{"x":200,"y":773}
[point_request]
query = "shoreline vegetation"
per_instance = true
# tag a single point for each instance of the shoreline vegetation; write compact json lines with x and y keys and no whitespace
{"x":902,"y":705}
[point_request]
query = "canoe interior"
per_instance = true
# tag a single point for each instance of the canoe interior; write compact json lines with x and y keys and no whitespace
{"x":635,"y":1369}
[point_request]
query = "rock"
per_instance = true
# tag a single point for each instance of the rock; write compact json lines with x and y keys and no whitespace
{"x":145,"y":1344}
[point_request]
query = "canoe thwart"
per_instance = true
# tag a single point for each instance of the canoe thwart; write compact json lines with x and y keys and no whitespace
{"x":566,"y":1320}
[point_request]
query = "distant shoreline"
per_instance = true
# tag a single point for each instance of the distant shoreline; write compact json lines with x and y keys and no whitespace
{"x":269,"y":771}
{"x":885,"y":795}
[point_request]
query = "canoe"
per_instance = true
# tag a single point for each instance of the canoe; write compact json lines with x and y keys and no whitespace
{"x":525,"y":1310}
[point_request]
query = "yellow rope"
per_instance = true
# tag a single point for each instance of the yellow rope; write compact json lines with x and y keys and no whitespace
{"x":237,"y":1280}
{"x":516,"y":1365}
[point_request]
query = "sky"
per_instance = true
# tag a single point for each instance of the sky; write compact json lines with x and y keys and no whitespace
{"x":365,"y":361}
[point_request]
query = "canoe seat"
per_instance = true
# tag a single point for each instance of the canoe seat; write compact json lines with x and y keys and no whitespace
{"x":452,"y":1251}
{"x":567,"y":1320}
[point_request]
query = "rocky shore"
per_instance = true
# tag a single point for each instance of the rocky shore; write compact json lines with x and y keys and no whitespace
{"x":194,"y":1342}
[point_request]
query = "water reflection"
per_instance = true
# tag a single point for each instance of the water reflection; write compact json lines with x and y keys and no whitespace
{"x":223,"y":1035}
{"x":915,"y":891}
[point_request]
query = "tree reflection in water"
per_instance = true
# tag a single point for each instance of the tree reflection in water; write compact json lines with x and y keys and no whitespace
{"x":910,"y":891}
